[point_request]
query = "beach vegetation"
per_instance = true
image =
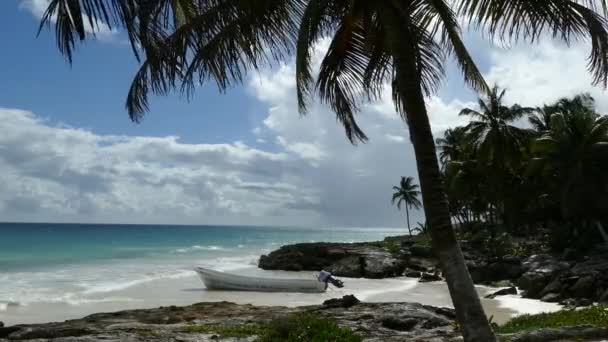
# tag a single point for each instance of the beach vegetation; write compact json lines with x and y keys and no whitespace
{"x":305,"y":327}
{"x":506,"y":182}
{"x":373,"y":46}
{"x":299,"y":327}
{"x":594,"y":316}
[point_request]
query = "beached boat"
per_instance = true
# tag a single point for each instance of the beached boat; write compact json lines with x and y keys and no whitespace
{"x":215,"y":280}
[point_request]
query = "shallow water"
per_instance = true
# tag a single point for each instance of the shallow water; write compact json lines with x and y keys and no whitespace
{"x":58,"y":272}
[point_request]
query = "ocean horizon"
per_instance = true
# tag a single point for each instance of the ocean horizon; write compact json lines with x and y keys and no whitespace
{"x":76,"y":263}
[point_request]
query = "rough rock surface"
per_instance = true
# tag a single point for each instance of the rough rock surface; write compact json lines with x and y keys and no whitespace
{"x":372,"y":321}
{"x":370,"y":260}
{"x":503,"y":292}
{"x":540,"y":271}
{"x":555,"y":278}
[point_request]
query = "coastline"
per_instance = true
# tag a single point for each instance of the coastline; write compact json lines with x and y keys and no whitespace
{"x":189,"y":290}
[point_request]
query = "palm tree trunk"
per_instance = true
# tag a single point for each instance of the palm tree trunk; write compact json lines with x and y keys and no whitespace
{"x":407,"y":214}
{"x":469,"y":312}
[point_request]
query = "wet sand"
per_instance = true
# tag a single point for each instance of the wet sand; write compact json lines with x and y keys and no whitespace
{"x":189,"y":289}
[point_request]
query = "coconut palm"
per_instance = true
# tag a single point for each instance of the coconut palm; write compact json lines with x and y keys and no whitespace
{"x":453,"y":146}
{"x":491,"y":132}
{"x":407,"y":193}
{"x":372,"y":43}
{"x":573,"y":154}
{"x":541,"y":119}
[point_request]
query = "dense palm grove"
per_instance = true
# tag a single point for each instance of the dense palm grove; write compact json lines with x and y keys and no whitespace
{"x":530,"y":171}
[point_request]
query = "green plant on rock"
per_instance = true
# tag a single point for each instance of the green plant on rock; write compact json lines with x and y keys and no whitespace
{"x":593,"y":315}
{"x":305,"y":327}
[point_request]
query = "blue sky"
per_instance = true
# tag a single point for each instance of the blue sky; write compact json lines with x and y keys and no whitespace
{"x":68,"y":151}
{"x":91,"y":92}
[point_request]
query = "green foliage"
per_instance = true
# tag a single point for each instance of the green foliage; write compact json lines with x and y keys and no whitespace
{"x":550,"y":179}
{"x":306,"y":328}
{"x":594,"y":315}
{"x":301,"y":327}
{"x":393,"y":247}
{"x":228,"y":330}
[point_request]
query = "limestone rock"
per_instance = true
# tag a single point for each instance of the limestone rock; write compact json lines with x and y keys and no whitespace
{"x":503,"y":292}
{"x":540,"y":271}
{"x":393,"y":323}
{"x":398,"y":322}
{"x":366,"y":259}
{"x":584,"y":287}
{"x":428,"y":277}
{"x":422,"y":251}
{"x":344,"y":302}
{"x":552,"y":297}
{"x":413,"y":274}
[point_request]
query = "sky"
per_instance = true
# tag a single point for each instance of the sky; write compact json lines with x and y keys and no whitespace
{"x":69,"y":153}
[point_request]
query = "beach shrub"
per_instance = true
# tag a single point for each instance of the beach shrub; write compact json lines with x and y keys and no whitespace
{"x":593,"y":315}
{"x":393,"y":248}
{"x":306,"y":328}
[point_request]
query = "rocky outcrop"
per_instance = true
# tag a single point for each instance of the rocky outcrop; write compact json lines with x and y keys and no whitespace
{"x":540,"y":270}
{"x":372,"y":321}
{"x":569,"y":282}
{"x":369,"y":260}
{"x":503,"y":292}
{"x":547,"y":277}
{"x":344,"y":302}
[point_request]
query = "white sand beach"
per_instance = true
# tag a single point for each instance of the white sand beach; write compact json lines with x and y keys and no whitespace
{"x":188,"y":289}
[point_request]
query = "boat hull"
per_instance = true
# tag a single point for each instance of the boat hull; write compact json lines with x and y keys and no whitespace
{"x":215,"y":280}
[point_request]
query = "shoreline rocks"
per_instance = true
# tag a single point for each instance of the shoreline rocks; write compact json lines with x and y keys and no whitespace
{"x":546,"y":277}
{"x":372,"y":321}
{"x":356,"y":260}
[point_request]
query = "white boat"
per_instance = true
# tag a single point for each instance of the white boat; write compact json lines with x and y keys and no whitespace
{"x":215,"y":280}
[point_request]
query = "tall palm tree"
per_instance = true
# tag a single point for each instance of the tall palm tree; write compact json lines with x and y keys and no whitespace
{"x":402,"y":43}
{"x":407,"y":193}
{"x":491,"y":131}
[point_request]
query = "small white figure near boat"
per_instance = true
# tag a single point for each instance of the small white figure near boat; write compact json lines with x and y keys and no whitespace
{"x":215,"y":280}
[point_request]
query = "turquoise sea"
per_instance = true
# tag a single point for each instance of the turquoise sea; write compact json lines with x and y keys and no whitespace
{"x":66,"y":263}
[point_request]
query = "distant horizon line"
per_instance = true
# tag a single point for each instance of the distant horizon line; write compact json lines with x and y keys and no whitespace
{"x":194,"y":225}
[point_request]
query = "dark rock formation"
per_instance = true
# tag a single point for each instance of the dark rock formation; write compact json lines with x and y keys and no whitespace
{"x":344,"y":302}
{"x":370,"y":260}
{"x":428,"y":277}
{"x":547,"y":277}
{"x":413,"y":274}
{"x":540,"y":270}
{"x":508,"y":291}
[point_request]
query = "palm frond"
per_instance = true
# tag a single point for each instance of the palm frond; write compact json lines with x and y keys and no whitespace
{"x":313,"y":26}
{"x":341,"y":76}
{"x":563,"y":19}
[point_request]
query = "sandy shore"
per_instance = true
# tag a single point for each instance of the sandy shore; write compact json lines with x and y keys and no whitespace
{"x":189,"y":289}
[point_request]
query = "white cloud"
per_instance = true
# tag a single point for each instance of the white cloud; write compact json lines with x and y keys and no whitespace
{"x":544,"y":73}
{"x":38,"y":7}
{"x":306,"y":172}
{"x":68,"y":174}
